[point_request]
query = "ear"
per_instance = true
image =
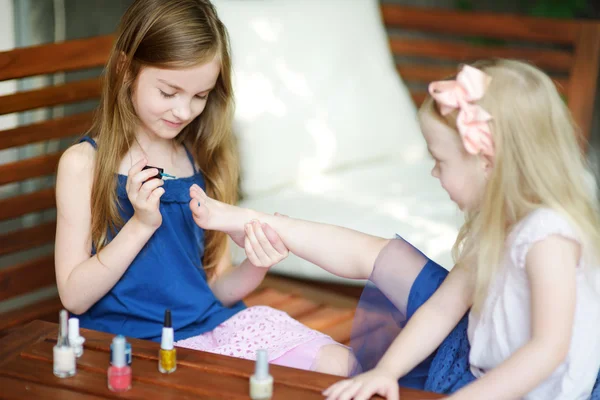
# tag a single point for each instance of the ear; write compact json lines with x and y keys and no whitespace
{"x":487,"y":165}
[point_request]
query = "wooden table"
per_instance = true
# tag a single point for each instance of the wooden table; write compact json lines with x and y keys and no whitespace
{"x":26,"y":372}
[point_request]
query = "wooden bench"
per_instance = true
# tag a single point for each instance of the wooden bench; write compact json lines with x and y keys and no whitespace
{"x":428,"y":45}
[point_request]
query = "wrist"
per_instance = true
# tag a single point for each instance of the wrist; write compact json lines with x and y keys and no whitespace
{"x":388,"y":370}
{"x":256,"y":271}
{"x":139,"y":229}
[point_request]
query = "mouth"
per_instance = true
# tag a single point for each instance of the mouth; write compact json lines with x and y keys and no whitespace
{"x":173,"y":124}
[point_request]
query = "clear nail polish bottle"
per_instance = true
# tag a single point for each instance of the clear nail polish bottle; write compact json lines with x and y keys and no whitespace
{"x":63,"y":354}
{"x":261,"y":383}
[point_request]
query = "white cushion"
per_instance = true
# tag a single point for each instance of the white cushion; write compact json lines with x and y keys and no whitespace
{"x":385,"y":198}
{"x":316,"y":89}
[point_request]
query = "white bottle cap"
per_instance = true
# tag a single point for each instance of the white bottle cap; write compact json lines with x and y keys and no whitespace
{"x":73,"y":330}
{"x":261,"y":368}
{"x":118,"y":345}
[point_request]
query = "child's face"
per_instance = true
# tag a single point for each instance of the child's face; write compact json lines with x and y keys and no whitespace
{"x":462,"y":175}
{"x":166,"y":100}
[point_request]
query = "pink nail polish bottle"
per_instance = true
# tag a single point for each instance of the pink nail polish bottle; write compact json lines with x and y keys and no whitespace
{"x":119,"y":373}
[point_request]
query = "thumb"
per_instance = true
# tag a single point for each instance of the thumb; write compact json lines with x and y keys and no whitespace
{"x":275,"y":239}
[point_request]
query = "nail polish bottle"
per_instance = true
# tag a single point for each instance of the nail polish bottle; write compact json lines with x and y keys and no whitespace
{"x":127,"y":351}
{"x":75,"y":339}
{"x":157,"y":176}
{"x":167,"y":358}
{"x":63,"y":354}
{"x":261,"y":383}
{"x":119,"y":373}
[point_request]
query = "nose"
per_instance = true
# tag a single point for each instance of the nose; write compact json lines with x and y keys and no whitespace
{"x":434,"y":172}
{"x":183,"y":110}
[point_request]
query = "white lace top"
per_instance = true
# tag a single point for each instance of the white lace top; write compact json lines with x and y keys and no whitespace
{"x":505,"y":321}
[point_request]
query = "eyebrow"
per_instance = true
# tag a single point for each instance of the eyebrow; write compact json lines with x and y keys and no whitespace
{"x":180,"y":89}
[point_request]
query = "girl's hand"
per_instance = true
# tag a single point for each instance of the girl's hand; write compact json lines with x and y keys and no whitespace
{"x":364,"y":386}
{"x":263,"y":245}
{"x":144,"y":194}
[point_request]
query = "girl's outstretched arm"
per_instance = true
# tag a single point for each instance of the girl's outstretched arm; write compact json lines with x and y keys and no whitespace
{"x":551,"y":265}
{"x":423,"y":333}
{"x":81,"y":278}
{"x":341,"y":251}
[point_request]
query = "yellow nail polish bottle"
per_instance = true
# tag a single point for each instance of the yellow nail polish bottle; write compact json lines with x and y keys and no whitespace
{"x":167,"y":358}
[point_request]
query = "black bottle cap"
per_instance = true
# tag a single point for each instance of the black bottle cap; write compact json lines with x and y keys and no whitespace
{"x":168,"y":319}
{"x":157,"y":176}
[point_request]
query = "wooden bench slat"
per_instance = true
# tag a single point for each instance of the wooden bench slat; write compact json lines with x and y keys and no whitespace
{"x":29,"y":168}
{"x":491,"y":25}
{"x":267,"y":297}
{"x":17,"y":206}
{"x":71,"y":92}
{"x":55,"y":57}
{"x":29,"y":390}
{"x":425,"y":73}
{"x":584,"y":78}
{"x":27,"y":238}
{"x":88,"y":380}
{"x":197,"y":380}
{"x":58,"y":128}
{"x":46,"y":310}
{"x":553,"y":60}
{"x":27,"y":277}
{"x":326,"y":317}
{"x":418,"y":96}
{"x":341,"y":331}
{"x":298,"y":306}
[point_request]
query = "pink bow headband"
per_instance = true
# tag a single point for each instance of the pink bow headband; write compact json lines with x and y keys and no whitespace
{"x":472,"y":120}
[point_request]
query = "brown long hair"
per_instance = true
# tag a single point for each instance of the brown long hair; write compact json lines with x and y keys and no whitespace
{"x":165,"y":34}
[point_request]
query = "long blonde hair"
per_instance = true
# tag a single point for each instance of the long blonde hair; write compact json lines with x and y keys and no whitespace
{"x":538,"y":163}
{"x":165,"y":34}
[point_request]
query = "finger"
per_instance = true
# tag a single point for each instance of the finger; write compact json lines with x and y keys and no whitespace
{"x":264,"y":242}
{"x":392,"y":392}
{"x":250,"y":254}
{"x":349,"y":393}
{"x":257,"y":247}
{"x":148,"y":187}
{"x":275,"y":239}
{"x":155,"y":196}
{"x":281,"y":215}
{"x":135,"y":168}
{"x":140,"y":178}
{"x":367,"y":391}
{"x":333,"y":391}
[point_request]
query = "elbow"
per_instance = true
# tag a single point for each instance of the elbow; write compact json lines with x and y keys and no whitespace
{"x":71,"y":304}
{"x":562,"y":351}
{"x":556,"y":351}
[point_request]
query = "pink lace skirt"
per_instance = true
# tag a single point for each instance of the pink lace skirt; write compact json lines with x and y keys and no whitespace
{"x":288,"y":342}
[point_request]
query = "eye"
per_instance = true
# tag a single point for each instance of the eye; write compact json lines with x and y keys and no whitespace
{"x":202,"y":97}
{"x":166,"y":95}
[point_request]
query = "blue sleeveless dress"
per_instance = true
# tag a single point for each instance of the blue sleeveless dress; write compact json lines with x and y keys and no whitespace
{"x":167,"y":273}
